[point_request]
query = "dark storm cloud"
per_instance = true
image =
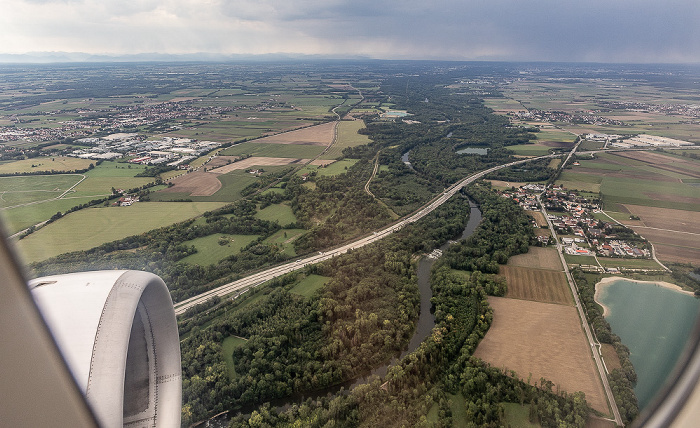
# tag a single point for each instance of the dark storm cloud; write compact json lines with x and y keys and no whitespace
{"x":594,"y":30}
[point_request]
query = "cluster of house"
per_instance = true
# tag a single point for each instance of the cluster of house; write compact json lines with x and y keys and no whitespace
{"x":165,"y":150}
{"x":561,"y":116}
{"x":576,"y":218}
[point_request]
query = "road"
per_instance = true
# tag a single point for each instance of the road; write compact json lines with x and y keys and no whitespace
{"x":595,"y":346}
{"x":268,"y":274}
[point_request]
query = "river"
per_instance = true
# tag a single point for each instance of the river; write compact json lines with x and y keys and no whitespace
{"x":654,"y":322}
{"x":425,"y":324}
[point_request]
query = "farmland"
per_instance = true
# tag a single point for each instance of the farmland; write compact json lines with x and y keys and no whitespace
{"x":540,"y":285}
{"x":94,"y":226}
{"x":542,"y":340}
{"x":538,"y":258}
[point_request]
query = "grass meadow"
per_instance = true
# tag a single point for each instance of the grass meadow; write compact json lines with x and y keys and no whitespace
{"x":210,"y":251}
{"x":91,"y":227}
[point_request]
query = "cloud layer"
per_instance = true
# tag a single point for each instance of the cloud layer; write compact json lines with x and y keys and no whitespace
{"x":538,"y":30}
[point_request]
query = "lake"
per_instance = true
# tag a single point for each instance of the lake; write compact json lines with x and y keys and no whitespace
{"x":654,"y":322}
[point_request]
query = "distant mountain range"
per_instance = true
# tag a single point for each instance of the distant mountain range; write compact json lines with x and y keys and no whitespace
{"x":58,"y":57}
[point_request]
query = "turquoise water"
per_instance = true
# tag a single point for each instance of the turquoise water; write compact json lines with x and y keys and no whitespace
{"x":654,"y":323}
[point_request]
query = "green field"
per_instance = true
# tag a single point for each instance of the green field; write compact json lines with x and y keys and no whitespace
{"x":285,"y":238}
{"x":281,"y":213}
{"x":227,"y":347}
{"x":33,"y":165}
{"x":580,"y":260}
{"x":529,"y":150}
{"x":629,"y":263}
{"x":210,"y":251}
{"x":307,"y":286}
{"x":517,"y":415}
{"x":555,"y":135}
{"x":295,"y":151}
{"x":32,"y":188}
{"x":91,"y":227}
{"x":336,"y":168}
{"x":232,"y":184}
{"x":347,"y":137}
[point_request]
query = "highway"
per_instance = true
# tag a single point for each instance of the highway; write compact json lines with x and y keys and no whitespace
{"x":255,"y":279}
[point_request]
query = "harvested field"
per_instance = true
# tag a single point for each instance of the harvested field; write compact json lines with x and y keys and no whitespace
{"x":612,"y":361}
{"x":539,"y":285}
{"x":543,"y":340}
{"x":539,"y":218}
{"x":506,"y":184}
{"x":218,"y":161}
{"x":672,"y":253}
{"x":256,"y":161}
{"x":537,"y":257}
{"x":666,"y":218}
{"x":195,"y":183}
{"x":319,"y":135}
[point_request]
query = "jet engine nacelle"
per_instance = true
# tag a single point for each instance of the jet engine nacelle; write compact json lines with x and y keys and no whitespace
{"x":118,"y":333}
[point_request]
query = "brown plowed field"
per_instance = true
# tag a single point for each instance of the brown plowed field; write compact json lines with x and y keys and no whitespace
{"x":319,"y":135}
{"x":218,"y":161}
{"x":538,"y":257}
{"x":195,"y":183}
{"x":539,"y":285}
{"x":256,"y":161}
{"x":543,"y":340}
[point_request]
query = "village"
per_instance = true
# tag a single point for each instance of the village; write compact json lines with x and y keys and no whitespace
{"x":575,"y":218}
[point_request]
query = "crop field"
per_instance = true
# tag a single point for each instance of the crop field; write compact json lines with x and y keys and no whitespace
{"x":257,"y":161}
{"x":210,"y":250}
{"x":538,"y":258}
{"x":319,"y":135}
{"x":499,"y":184}
{"x":45,"y":164}
{"x":539,"y":285}
{"x":347,"y":137}
{"x":623,"y":180}
{"x":530,"y":149}
{"x":555,"y":135}
{"x":542,"y":340}
{"x":196,"y":183}
{"x":335,"y":168}
{"x":503,"y":105}
{"x":91,"y":227}
{"x":281,"y":213}
{"x":274,"y":150}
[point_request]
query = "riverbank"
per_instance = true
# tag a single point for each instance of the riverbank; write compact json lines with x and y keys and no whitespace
{"x":603,"y":283}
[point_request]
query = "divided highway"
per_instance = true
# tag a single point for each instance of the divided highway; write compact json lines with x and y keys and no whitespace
{"x":253,"y":280}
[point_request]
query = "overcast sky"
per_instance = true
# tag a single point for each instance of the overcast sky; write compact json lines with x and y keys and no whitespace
{"x":537,"y":30}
